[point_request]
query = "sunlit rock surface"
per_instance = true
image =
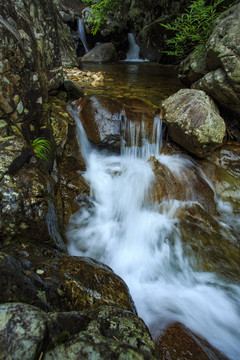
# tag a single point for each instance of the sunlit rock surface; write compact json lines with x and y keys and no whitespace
{"x":193,"y":121}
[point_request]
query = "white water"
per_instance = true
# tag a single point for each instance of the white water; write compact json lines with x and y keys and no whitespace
{"x":125,"y":230}
{"x":133,"y":50}
{"x":82,"y":35}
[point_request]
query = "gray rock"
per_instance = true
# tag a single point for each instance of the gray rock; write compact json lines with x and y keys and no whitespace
{"x":193,"y":121}
{"x":193,"y":67}
{"x":216,"y":84}
{"x":111,"y":333}
{"x":22,"y":331}
{"x":102,"y":53}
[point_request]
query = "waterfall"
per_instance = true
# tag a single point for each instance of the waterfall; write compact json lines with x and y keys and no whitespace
{"x":133,"y":50}
{"x":82,"y":35}
{"x":142,"y":241}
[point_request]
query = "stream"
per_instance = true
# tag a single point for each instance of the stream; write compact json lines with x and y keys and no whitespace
{"x":123,"y":225}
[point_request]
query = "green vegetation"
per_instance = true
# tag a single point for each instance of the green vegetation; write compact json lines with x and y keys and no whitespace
{"x":41,"y":147}
{"x":192,"y":28}
{"x":100,"y":9}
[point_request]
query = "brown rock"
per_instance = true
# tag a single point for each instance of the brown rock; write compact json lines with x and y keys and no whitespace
{"x":178,"y":343}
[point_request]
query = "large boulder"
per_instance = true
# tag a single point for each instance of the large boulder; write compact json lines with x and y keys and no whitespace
{"x":193,"y":121}
{"x":55,"y":283}
{"x":101,"y":53}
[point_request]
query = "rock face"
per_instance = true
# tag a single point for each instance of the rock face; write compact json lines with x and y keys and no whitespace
{"x":108,"y":331}
{"x":100,"y":54}
{"x":31,"y":65}
{"x":217,"y":70}
{"x":193,"y":121}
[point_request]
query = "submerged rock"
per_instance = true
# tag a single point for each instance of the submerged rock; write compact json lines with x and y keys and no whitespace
{"x":101,"y":54}
{"x":193,"y":121}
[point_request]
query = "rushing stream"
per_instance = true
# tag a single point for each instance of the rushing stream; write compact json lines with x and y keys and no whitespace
{"x":141,"y":240}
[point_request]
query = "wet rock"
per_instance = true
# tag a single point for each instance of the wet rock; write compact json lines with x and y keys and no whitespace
{"x":213,"y":248}
{"x":105,"y":119}
{"x":181,"y":180}
{"x":223,"y":169}
{"x":193,"y":121}
{"x":101,"y":54}
{"x":69,"y":162}
{"x":29,"y":333}
{"x":178,"y":343}
{"x":38,"y":277}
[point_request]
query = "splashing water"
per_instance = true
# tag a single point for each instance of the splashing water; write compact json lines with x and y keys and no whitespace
{"x":125,"y":229}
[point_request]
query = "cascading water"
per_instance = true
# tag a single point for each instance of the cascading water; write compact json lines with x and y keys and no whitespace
{"x":142,"y":241}
{"x":133,"y":50}
{"x":81,"y":34}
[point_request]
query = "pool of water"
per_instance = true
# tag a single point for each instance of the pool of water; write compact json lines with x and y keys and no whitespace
{"x":148,"y":81}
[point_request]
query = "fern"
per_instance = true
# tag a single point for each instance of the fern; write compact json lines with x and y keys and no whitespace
{"x":41,"y":147}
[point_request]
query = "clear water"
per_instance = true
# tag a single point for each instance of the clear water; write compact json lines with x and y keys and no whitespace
{"x":125,"y":229}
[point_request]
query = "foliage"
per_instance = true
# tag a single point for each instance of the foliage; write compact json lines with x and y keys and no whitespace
{"x":100,"y":9}
{"x":41,"y":147}
{"x":192,"y":28}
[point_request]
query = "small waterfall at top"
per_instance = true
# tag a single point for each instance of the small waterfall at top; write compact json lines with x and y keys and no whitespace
{"x":82,"y":35}
{"x":133,"y":50}
{"x":142,"y":241}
